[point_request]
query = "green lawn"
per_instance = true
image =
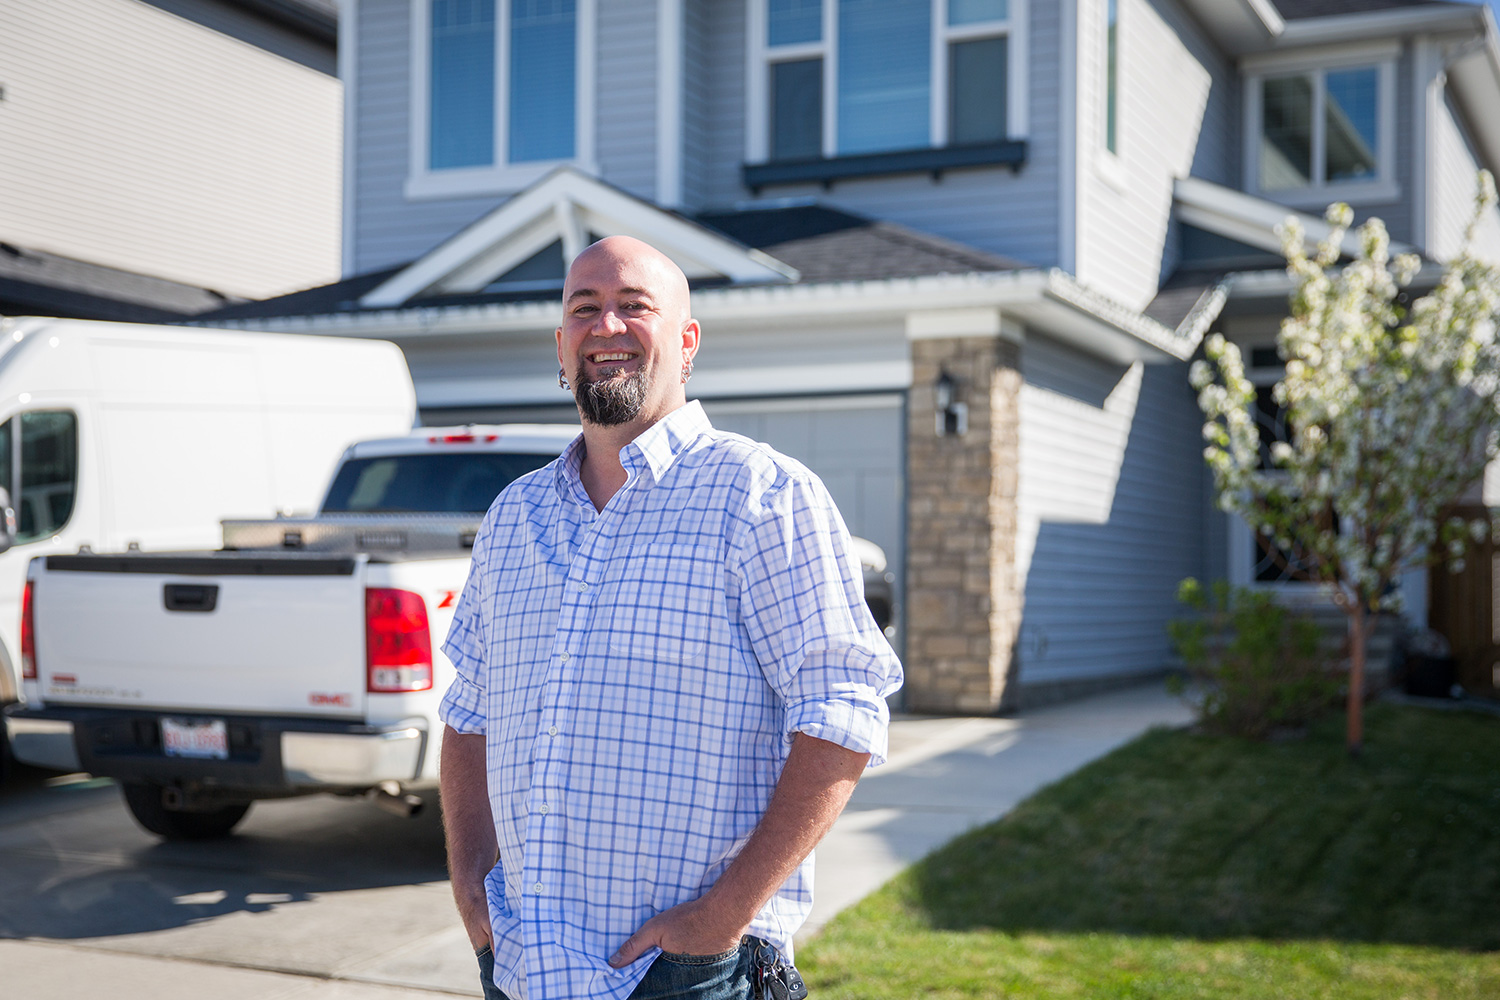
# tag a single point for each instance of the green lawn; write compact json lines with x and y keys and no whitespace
{"x":1194,"y":866}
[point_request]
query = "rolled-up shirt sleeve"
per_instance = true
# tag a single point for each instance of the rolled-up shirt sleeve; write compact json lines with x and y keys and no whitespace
{"x":463,"y":706}
{"x":800,"y":595}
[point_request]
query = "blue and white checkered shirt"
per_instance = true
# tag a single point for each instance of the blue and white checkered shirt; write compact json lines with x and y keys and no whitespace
{"x":638,"y":673}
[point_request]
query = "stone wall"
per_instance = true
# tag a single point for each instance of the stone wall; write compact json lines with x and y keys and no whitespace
{"x":963,"y":608}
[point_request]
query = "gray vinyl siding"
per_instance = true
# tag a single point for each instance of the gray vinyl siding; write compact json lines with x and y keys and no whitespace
{"x":1178,"y":114}
{"x":991,"y":208}
{"x":1111,"y":512}
{"x":389,"y":228}
{"x":700,"y":64}
{"x":625,"y":125}
{"x":711,"y":165}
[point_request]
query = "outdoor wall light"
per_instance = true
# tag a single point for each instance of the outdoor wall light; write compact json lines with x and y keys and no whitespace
{"x":952,"y":415}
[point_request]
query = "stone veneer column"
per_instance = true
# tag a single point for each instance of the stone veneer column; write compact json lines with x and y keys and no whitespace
{"x":962,"y":606}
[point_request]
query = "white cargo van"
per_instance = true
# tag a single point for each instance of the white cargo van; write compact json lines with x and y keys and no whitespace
{"x":120,"y":436}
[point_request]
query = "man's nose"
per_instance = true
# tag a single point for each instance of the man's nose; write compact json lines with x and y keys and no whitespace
{"x":611,"y":323}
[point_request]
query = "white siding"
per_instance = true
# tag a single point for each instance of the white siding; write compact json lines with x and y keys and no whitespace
{"x":1453,"y":189}
{"x":1177,"y":116}
{"x":145,"y":141}
{"x":1110,"y":512}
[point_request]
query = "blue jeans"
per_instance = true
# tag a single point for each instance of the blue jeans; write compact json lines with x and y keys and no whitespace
{"x":671,"y":977}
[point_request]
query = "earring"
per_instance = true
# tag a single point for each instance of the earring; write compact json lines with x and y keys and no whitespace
{"x":562,"y":381}
{"x":687,"y":370}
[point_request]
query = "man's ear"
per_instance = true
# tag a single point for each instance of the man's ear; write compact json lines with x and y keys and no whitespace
{"x":560,"y":362}
{"x":692,"y":333}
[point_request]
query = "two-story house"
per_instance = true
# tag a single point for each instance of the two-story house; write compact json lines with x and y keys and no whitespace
{"x":158,"y":157}
{"x":953,"y":254}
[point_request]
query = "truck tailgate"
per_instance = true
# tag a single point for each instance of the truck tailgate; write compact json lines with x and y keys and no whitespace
{"x":275,"y":634}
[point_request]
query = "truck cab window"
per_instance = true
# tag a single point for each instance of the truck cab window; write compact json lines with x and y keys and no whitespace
{"x":48,"y":474}
{"x":7,"y":456}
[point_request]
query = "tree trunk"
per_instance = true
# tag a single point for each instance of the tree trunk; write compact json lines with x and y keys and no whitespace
{"x":1356,"y":731}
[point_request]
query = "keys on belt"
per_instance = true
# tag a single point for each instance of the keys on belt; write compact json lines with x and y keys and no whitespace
{"x":773,"y":977}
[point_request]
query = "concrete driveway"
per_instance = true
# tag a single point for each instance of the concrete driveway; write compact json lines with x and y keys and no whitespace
{"x":335,"y":900}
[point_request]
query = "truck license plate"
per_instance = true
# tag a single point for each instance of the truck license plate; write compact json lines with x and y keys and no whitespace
{"x":207,"y":738}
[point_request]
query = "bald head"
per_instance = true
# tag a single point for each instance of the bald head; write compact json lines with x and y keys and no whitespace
{"x":634,"y":261}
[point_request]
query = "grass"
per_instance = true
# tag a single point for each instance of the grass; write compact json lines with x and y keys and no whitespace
{"x":1186,"y":865}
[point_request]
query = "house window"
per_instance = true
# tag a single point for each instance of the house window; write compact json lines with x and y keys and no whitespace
{"x":1111,"y":75}
{"x":1319,"y":133}
{"x":500,"y":92}
{"x":850,"y":77}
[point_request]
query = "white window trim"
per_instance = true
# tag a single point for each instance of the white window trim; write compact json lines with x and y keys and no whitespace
{"x":1383,"y":187}
{"x":760,"y":56}
{"x":422,"y":182}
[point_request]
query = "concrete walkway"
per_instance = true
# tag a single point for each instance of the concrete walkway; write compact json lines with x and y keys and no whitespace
{"x":944,"y":776}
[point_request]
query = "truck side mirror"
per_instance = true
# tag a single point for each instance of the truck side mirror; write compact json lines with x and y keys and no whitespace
{"x":7,"y":521}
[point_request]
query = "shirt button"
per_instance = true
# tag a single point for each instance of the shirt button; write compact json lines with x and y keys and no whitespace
{"x":537,"y":888}
{"x":545,"y":809}
{"x":565,"y":657}
{"x":582,"y":587}
{"x":552,"y":731}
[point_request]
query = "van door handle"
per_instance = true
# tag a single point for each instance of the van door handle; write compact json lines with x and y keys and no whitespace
{"x":190,"y":596}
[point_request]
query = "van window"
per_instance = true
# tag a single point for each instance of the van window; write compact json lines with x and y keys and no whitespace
{"x":6,"y":429}
{"x":49,"y":472}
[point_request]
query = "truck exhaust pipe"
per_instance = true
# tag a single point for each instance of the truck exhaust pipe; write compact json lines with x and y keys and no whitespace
{"x":388,"y":796}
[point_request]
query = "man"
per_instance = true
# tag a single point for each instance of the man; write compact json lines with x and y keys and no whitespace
{"x":668,"y":682}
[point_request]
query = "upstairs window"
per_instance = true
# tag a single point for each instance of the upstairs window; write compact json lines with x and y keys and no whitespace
{"x":498,"y":92}
{"x":1322,"y":134}
{"x":850,"y":77}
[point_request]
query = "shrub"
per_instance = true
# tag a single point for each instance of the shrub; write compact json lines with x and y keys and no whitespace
{"x":1261,"y":669}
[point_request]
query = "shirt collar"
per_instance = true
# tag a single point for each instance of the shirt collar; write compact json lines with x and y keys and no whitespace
{"x":661,"y":443}
{"x":656,"y":448}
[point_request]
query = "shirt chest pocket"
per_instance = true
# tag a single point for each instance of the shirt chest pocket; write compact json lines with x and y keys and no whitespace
{"x":666,"y":603}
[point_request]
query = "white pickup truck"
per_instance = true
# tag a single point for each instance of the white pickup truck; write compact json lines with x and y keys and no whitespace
{"x":303,"y":657}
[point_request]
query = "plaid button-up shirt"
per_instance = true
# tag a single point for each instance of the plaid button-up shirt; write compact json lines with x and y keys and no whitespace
{"x":638,"y":673}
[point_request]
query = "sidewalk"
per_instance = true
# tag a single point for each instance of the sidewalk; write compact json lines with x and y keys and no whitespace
{"x":944,"y":776}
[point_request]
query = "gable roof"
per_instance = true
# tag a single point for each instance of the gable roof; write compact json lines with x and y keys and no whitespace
{"x":566,"y":207}
{"x":819,"y":244}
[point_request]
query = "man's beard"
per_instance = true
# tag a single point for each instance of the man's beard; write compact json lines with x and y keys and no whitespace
{"x":613,"y":400}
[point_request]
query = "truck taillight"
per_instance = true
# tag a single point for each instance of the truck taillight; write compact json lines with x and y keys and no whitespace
{"x":398,"y":643}
{"x":28,"y":636}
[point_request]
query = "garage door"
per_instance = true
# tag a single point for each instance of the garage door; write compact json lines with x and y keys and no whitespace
{"x":853,"y":443}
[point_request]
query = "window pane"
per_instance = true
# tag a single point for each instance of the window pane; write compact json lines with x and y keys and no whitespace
{"x":976,"y":91}
{"x":971,"y":11}
{"x":542,"y":44}
{"x":1286,"y":133}
{"x":6,"y":429}
{"x":1112,"y":77}
{"x":461,"y":119}
{"x":884,"y":75}
{"x":1350,"y":122}
{"x":49,"y":473}
{"x":793,"y":21}
{"x":797,"y":109}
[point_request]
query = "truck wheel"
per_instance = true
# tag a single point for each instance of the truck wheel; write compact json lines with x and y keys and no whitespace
{"x":146,"y":806}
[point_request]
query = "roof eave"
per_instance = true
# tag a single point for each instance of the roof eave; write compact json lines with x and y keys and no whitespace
{"x":1052,"y":301}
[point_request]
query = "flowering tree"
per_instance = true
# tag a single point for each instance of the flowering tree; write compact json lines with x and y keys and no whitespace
{"x":1391,"y":414}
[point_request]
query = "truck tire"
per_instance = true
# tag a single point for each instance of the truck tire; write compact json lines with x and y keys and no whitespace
{"x":146,"y":806}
